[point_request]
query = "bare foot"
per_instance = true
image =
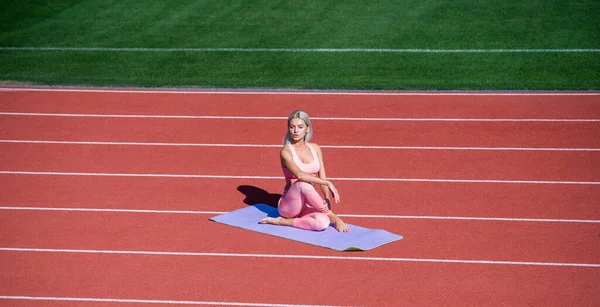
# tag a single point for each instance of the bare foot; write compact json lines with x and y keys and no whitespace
{"x":272,"y":220}
{"x":280,"y":220}
{"x":340,"y":226}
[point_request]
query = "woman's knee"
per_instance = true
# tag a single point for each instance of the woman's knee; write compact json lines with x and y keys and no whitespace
{"x":303,"y":186}
{"x":321,"y":222}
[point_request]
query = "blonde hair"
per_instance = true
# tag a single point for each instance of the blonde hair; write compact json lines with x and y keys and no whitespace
{"x":304,"y":117}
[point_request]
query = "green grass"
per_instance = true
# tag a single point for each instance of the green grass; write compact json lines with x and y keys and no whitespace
{"x":303,"y":24}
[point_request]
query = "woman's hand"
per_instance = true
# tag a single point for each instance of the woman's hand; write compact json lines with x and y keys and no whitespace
{"x":334,"y":191}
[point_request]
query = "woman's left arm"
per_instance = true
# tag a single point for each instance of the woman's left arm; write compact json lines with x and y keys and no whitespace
{"x":322,"y":174}
{"x":337,"y":222}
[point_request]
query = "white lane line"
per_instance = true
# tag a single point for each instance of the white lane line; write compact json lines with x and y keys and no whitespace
{"x":111,"y":210}
{"x":469,"y":218}
{"x":137,"y":175}
{"x":279,"y":146}
{"x":280,"y":177}
{"x":304,"y":50}
{"x":149,"y":144}
{"x":144,"y":301}
{"x":377,"y":216}
{"x":7,"y":88}
{"x":313,"y":118}
{"x":290,"y":256}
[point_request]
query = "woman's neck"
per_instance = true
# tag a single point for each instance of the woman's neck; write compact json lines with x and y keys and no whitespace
{"x":301,"y":144}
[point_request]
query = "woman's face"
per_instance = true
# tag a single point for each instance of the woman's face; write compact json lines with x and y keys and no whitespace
{"x":298,"y":129}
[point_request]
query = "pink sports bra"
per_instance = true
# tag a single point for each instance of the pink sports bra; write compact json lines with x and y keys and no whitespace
{"x":311,"y":168}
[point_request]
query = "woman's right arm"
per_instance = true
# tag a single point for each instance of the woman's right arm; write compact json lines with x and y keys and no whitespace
{"x":288,"y":161}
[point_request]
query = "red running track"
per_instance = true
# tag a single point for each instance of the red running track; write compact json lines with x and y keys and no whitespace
{"x":495,"y":261}
{"x":239,"y":131}
{"x":385,"y":198}
{"x":477,"y":165}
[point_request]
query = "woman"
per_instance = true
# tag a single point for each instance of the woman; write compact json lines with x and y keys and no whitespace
{"x":301,"y":205}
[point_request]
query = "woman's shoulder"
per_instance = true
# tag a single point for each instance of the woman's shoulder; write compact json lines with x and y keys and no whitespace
{"x":285,"y":150}
{"x":315,"y":146}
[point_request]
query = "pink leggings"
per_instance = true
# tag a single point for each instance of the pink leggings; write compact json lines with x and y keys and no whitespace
{"x":303,"y":203}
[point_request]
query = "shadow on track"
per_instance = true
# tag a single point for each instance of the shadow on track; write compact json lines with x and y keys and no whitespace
{"x":256,"y":195}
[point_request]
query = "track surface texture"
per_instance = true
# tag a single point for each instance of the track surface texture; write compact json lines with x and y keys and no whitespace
{"x":106,"y":196}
